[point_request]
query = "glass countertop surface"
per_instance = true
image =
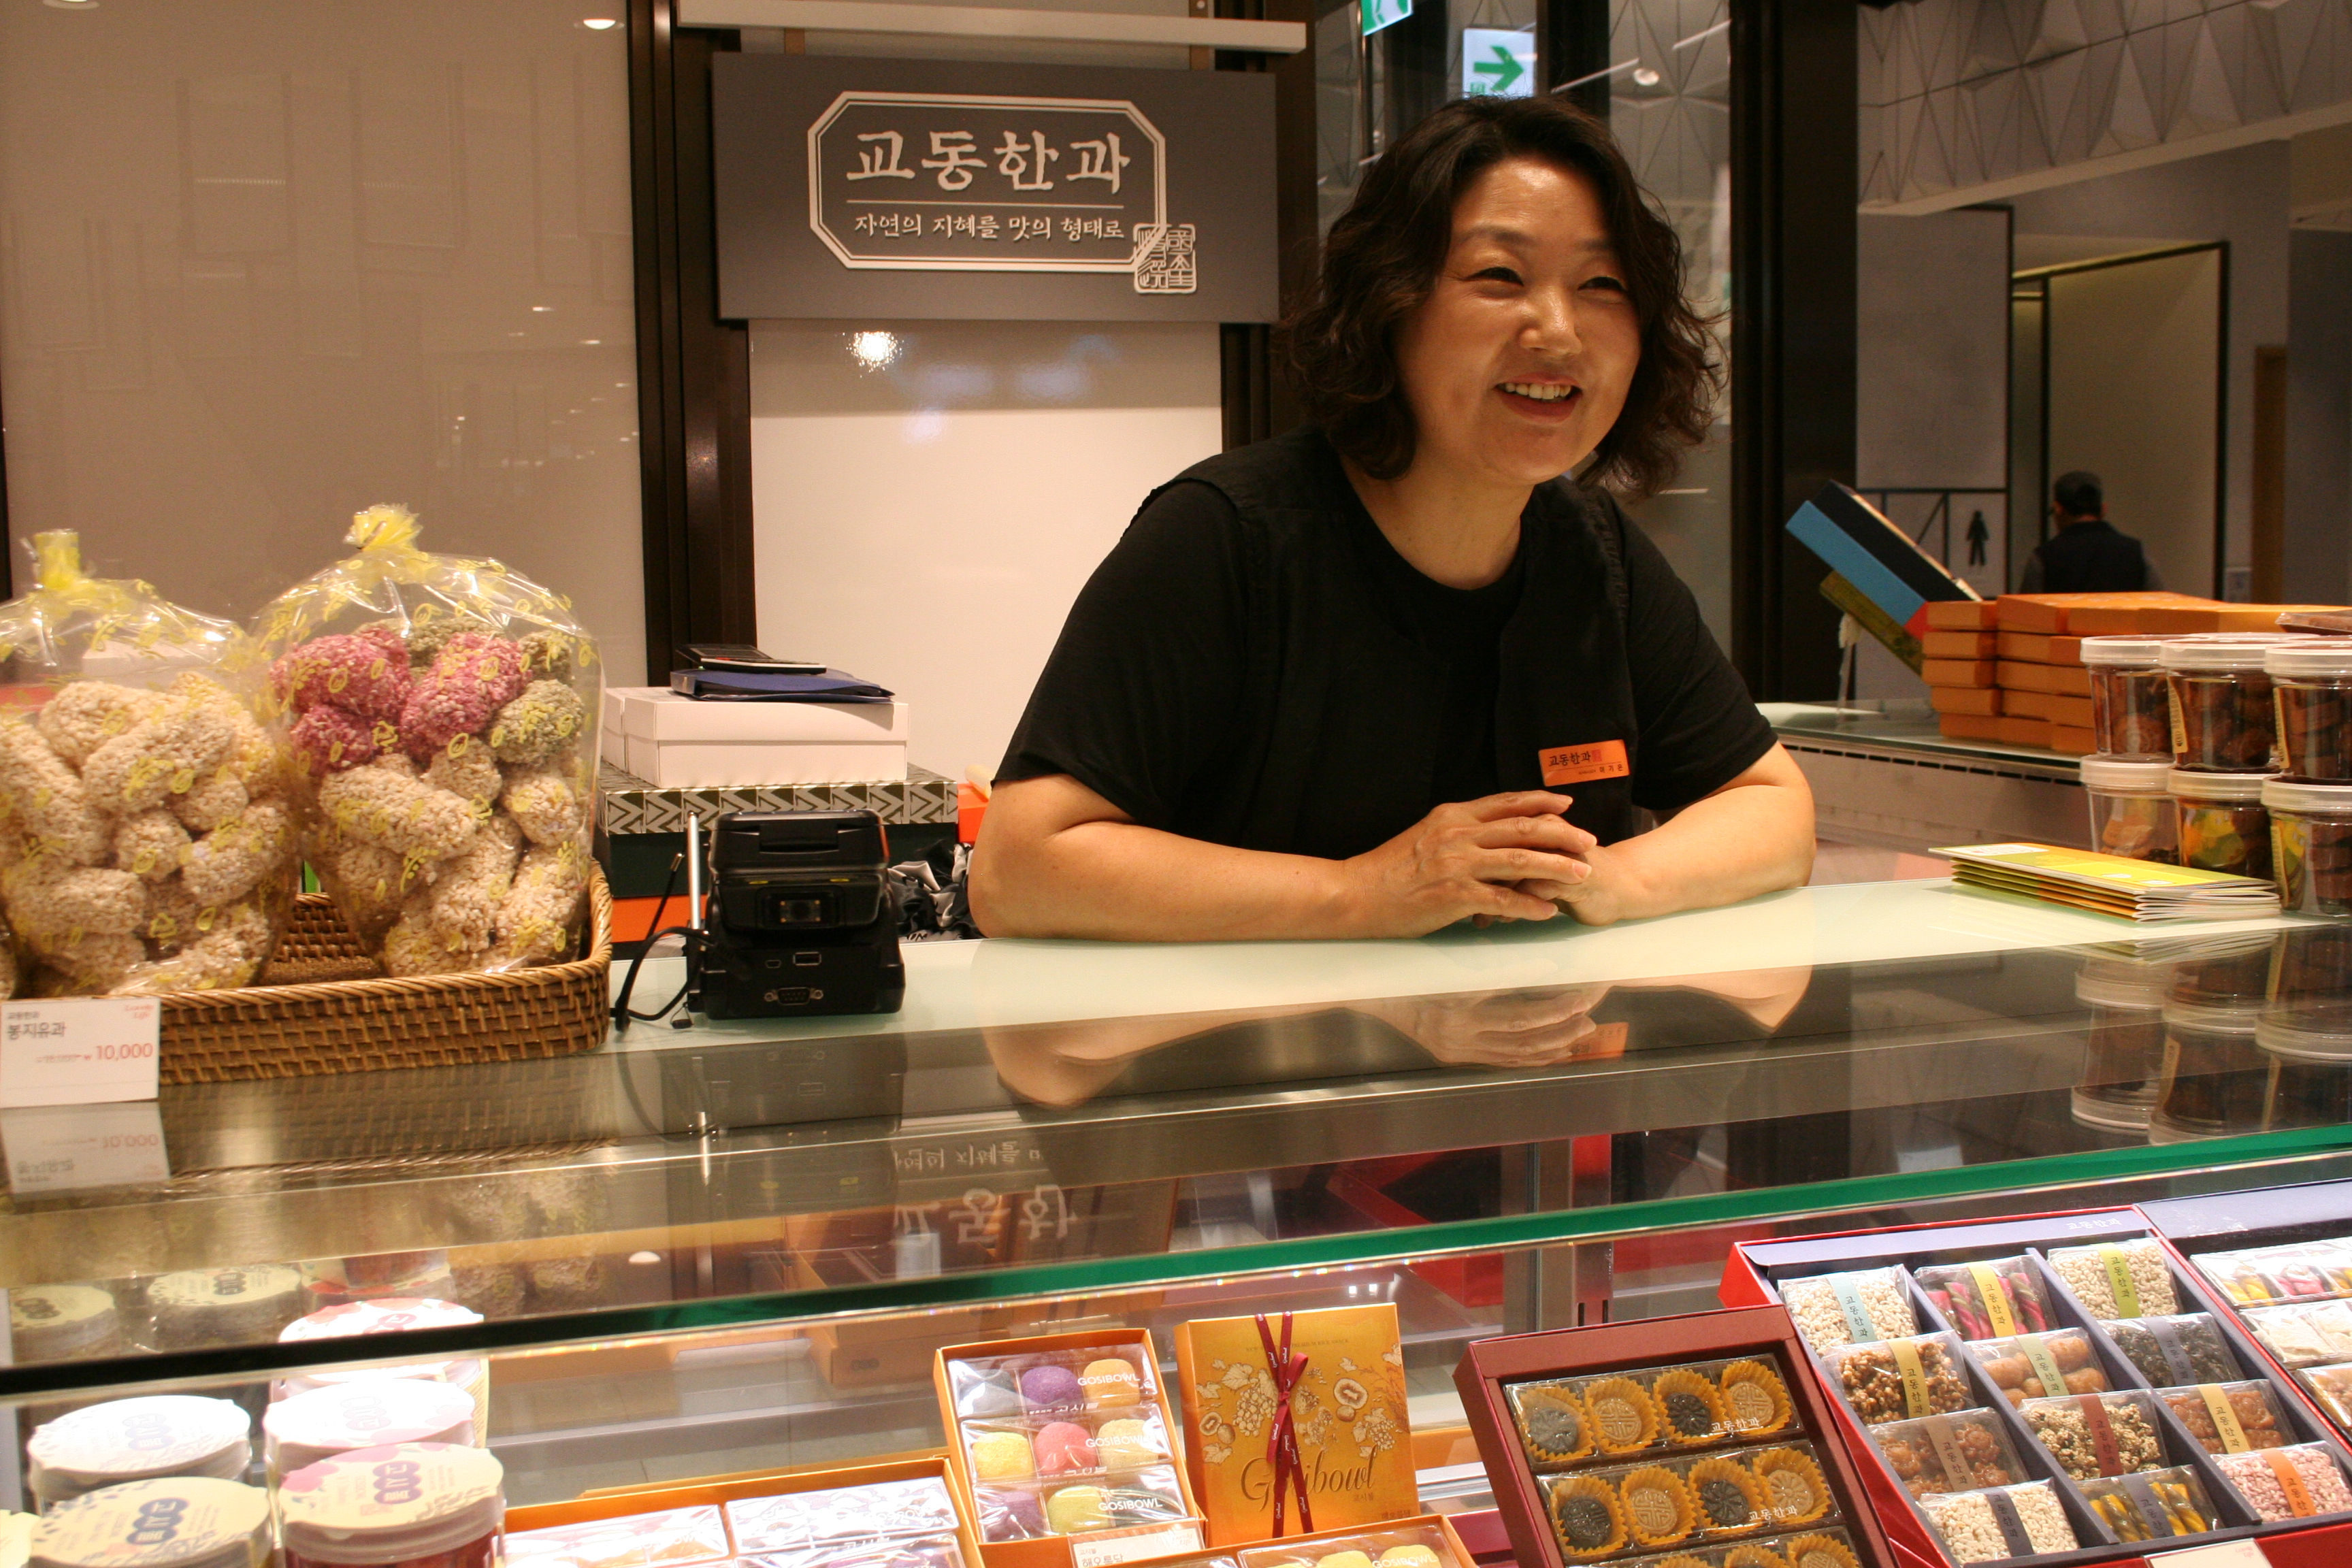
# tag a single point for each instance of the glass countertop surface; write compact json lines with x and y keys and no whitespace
{"x":749,"y":1175}
{"x":1908,"y":724}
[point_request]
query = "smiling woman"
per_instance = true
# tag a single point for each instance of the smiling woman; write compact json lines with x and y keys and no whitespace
{"x":1412,"y":664}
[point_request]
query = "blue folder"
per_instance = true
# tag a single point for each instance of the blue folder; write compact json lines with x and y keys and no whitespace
{"x":751,"y":686}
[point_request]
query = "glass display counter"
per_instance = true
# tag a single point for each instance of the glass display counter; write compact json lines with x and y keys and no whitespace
{"x":1883,"y":773}
{"x":722,"y":1249}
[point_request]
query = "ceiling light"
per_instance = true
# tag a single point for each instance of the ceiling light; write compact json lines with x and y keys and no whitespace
{"x":540,"y":308}
{"x":73,"y":5}
{"x":874,"y":349}
{"x":1645,"y":77}
{"x":600,"y":23}
{"x":592,"y":343}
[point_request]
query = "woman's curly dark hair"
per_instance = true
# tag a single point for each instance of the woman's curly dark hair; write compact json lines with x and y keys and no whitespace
{"x":1382,"y":256}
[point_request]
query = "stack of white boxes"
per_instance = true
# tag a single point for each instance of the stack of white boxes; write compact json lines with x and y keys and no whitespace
{"x":677,"y":742}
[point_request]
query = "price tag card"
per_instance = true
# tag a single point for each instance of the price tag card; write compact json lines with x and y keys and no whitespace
{"x":79,"y":1050}
{"x":2221,"y":1554}
{"x":61,"y":1147}
{"x":1102,"y":1549}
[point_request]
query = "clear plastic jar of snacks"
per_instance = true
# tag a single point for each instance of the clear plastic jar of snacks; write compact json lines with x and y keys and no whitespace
{"x":2131,"y":809}
{"x":2224,"y":826}
{"x":2216,"y":1078}
{"x":2311,"y":963}
{"x":2311,"y":687}
{"x":2131,"y":707}
{"x":2311,"y":846}
{"x":2222,"y":717}
{"x":2125,"y":997}
{"x":2310,"y":1050}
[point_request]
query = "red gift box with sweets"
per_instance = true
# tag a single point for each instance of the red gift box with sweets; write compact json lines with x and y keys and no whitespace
{"x":2042,"y":1279}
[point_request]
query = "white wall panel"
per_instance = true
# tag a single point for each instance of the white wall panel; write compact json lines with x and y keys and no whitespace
{"x":926,"y":520}
{"x":271,"y":261}
{"x":2135,"y":397}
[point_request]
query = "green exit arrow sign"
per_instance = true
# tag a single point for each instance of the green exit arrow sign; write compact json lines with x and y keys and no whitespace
{"x":1378,"y":14}
{"x":1498,"y":62}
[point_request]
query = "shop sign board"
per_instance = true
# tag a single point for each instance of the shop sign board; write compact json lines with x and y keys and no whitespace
{"x":878,"y":188}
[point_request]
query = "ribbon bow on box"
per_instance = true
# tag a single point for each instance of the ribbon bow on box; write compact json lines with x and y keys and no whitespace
{"x":1281,"y":1433}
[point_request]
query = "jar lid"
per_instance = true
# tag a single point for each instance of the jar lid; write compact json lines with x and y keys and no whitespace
{"x":2221,"y":1018}
{"x":2310,"y":656}
{"x":2125,"y":777}
{"x":56,"y":1486}
{"x":387,"y":1505}
{"x":2193,"y":784}
{"x":473,"y":1376}
{"x":2327,"y":800}
{"x":129,"y":1439}
{"x":2224,"y":650}
{"x":389,"y":1315}
{"x":2321,"y":1034}
{"x":369,"y":1414}
{"x":204,"y":1289}
{"x":2121,"y":651}
{"x":214,"y":1525}
{"x":2143,"y":994}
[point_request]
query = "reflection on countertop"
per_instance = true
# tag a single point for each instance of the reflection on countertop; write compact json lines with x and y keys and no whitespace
{"x":744,"y":1166}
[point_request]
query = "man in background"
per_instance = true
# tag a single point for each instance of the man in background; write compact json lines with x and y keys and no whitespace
{"x":2086,"y":555}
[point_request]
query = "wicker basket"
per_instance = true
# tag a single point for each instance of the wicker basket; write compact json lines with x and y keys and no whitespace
{"x":320,"y":1024}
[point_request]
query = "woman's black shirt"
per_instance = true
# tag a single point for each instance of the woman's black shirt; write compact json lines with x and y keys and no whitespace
{"x":1254,"y":664}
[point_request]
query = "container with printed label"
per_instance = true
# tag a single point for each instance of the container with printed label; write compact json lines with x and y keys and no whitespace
{"x":408,"y":1505}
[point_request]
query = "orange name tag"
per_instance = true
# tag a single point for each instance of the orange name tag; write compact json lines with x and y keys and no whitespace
{"x":1581,"y":765}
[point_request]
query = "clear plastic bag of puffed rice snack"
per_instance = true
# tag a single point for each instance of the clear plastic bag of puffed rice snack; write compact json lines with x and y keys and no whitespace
{"x":442,"y":713}
{"x":147,"y":824}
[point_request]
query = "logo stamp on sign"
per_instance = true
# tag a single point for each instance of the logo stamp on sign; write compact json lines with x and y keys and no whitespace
{"x":1582,"y":765}
{"x":1164,"y":260}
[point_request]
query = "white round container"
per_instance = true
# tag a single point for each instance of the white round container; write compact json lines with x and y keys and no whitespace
{"x":178,"y":1521}
{"x":63,"y":1322}
{"x":121,"y":1440}
{"x":201,"y":1307}
{"x":372,"y":1413}
{"x":430,"y":1505}
{"x":394,"y":1315}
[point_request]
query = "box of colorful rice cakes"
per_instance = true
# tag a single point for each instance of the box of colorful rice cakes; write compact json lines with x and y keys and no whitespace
{"x":1063,"y":1446}
{"x":1687,"y":1442}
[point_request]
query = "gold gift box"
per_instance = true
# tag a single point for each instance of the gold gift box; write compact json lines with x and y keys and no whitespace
{"x":1355,"y":1443}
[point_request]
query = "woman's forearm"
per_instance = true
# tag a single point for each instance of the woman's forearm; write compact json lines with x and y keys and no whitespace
{"x":1115,"y":881}
{"x":1755,"y":835}
{"x":1054,"y":858}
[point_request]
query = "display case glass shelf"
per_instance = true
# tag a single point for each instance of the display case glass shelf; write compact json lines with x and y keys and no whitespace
{"x":711,"y":1251}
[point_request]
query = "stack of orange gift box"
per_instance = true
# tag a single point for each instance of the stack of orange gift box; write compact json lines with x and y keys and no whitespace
{"x":2011,"y":669}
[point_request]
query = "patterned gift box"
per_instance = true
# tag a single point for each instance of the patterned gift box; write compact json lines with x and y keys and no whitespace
{"x":632,"y":805}
{"x":1347,"y":1410}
